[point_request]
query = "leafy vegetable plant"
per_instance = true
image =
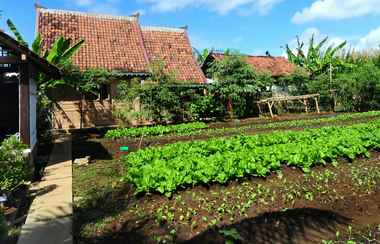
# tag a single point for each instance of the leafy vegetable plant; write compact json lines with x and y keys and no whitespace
{"x":159,"y":130}
{"x":165,"y":169}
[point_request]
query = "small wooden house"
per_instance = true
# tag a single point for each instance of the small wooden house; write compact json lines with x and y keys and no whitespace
{"x":113,"y":43}
{"x":19,"y":68}
{"x":276,"y":66}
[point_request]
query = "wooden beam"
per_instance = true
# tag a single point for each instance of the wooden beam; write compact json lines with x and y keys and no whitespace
{"x":305,"y":103}
{"x":24,"y":104}
{"x":10,"y":60}
{"x":317,"y":105}
{"x":10,"y":43}
{"x":258,"y":105}
{"x":270,"y":109}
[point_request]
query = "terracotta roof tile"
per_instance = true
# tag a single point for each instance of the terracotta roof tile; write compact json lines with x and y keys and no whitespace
{"x":118,"y":43}
{"x":277,"y":66}
{"x":172,"y":46}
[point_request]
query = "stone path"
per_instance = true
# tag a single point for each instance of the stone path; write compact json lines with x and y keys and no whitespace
{"x":50,"y":217}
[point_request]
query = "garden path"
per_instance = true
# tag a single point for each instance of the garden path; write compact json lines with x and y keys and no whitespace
{"x":50,"y":216}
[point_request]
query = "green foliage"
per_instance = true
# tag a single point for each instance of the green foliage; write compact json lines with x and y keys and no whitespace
{"x":61,"y":51}
{"x":234,"y":70}
{"x":350,"y":78}
{"x":231,"y":235}
{"x":207,"y":106}
{"x":202,"y":56}
{"x":318,"y":59}
{"x":360,"y":89}
{"x":235,"y":81}
{"x":168,"y":168}
{"x":161,"y":102}
{"x":16,"y":33}
{"x":14,"y":170}
{"x":276,"y":125}
{"x":161,"y":97}
{"x":37,"y":45}
{"x":3,"y":226}
{"x":158,"y":130}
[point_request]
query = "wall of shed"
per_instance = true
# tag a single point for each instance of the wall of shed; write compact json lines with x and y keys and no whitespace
{"x":83,"y":114}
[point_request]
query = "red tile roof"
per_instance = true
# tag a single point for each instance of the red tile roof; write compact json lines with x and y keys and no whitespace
{"x":172,"y":46}
{"x":277,"y":66}
{"x":118,"y":42}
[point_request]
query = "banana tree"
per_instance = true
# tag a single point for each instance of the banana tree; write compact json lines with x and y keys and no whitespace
{"x":60,"y":52}
{"x":16,"y":33}
{"x":318,"y":59}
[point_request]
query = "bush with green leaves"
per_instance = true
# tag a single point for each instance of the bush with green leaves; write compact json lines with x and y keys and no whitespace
{"x":14,"y":170}
{"x":3,"y":226}
{"x":207,"y":107}
{"x":359,"y":90}
{"x":235,"y":80}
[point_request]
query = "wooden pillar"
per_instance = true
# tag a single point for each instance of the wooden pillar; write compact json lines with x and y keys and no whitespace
{"x":317,"y":105}
{"x":24,"y":106}
{"x":305,"y":103}
{"x":270,"y":108}
{"x":258,"y":105}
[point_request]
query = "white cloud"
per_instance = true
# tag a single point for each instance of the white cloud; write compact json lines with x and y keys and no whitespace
{"x":367,"y":42}
{"x":370,"y":41}
{"x":318,"y":37}
{"x":219,"y":6}
{"x":337,"y":9}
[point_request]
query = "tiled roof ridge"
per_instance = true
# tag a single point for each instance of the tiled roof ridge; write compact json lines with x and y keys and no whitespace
{"x":250,"y":55}
{"x":164,"y":29}
{"x":133,"y":18}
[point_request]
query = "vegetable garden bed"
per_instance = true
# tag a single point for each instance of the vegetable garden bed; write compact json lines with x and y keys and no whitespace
{"x":317,"y":205}
{"x":342,"y":198}
{"x":198,"y":128}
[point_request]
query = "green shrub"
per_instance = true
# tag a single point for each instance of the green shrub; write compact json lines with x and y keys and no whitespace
{"x":14,"y":169}
{"x":205,"y":107}
{"x":3,"y":226}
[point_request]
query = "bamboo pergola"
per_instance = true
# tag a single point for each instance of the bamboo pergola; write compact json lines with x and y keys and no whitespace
{"x":304,"y":99}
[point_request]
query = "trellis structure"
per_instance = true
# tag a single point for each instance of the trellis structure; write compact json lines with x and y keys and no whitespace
{"x":304,"y":99}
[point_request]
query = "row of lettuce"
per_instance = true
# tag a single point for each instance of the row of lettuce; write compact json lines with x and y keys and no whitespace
{"x":172,"y":167}
{"x":198,"y":128}
{"x":159,"y":130}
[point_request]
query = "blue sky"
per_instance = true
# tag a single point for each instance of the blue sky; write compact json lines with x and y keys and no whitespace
{"x":251,"y":26}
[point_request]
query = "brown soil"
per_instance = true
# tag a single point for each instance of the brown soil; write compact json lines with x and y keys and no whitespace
{"x":285,"y":208}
